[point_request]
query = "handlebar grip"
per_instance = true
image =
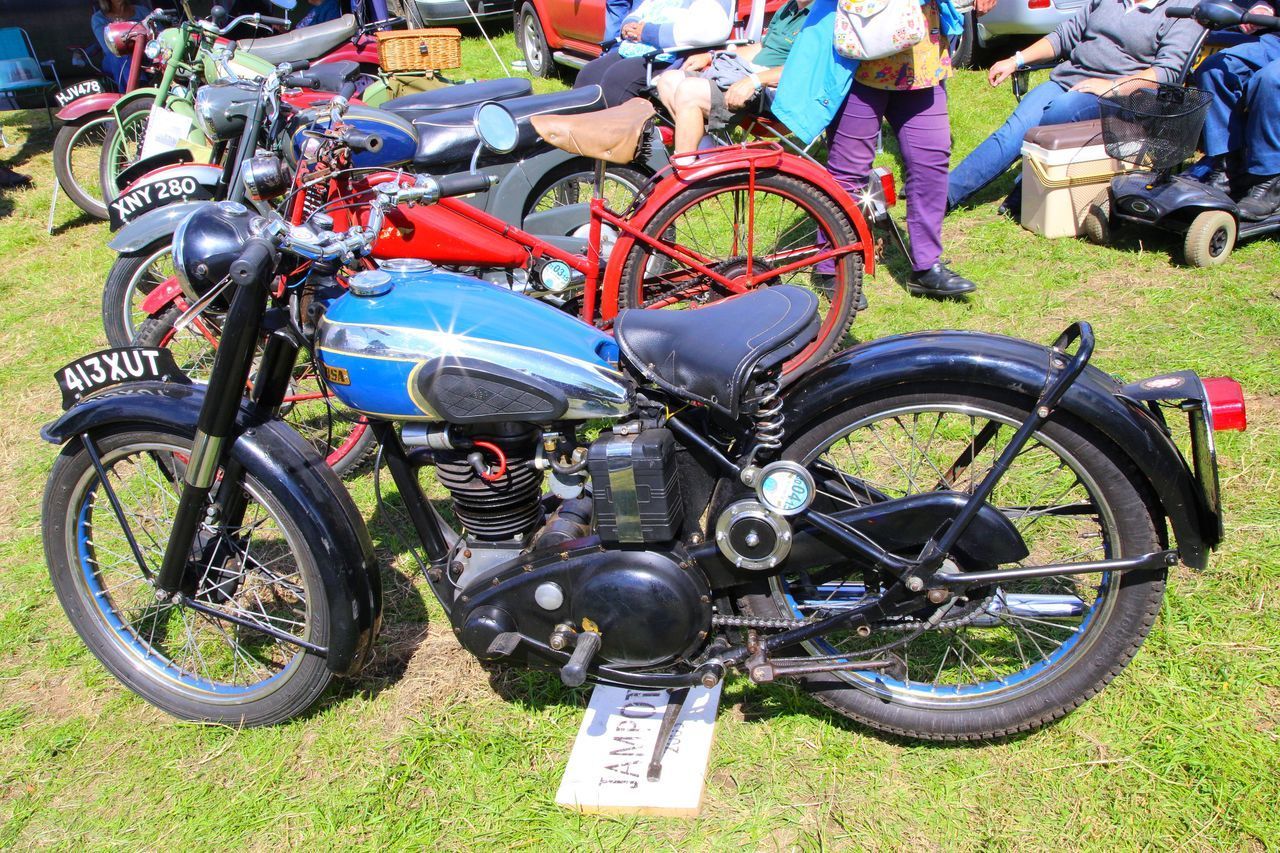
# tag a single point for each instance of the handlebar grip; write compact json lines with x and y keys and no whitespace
{"x":1180,"y":12}
{"x":348,"y":89}
{"x":296,"y":65}
{"x":1266,"y":22}
{"x":452,"y":185}
{"x":300,"y":80}
{"x":359,"y":141}
{"x":256,"y":262}
{"x":275,"y":22}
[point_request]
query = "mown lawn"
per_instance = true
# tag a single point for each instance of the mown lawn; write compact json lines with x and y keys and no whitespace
{"x":426,"y":750}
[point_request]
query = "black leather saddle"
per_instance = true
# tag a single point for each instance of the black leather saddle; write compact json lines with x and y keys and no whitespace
{"x":306,"y":43}
{"x":461,"y":95}
{"x":710,"y":354}
{"x":447,"y":140}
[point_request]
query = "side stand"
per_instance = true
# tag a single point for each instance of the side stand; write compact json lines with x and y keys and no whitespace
{"x":674,"y":706}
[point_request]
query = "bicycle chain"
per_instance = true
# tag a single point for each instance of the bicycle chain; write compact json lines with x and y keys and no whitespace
{"x":757,"y":622}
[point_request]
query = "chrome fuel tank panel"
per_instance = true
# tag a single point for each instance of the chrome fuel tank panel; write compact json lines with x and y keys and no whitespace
{"x":502,"y":355}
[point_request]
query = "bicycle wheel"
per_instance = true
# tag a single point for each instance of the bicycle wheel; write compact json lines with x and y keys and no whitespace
{"x":1008,"y":657}
{"x":131,"y":279}
{"x":741,"y":234}
{"x":340,"y":435}
{"x":259,"y":570}
{"x":122,"y":145}
{"x":77,"y":153}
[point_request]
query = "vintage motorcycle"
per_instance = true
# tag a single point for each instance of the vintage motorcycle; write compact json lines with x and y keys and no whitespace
{"x":947,"y":535}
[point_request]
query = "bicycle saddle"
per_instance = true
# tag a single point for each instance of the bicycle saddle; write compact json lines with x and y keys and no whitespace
{"x":612,"y":135}
{"x":305,"y":43}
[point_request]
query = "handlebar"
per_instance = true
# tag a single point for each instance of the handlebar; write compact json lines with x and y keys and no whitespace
{"x":455,"y":185}
{"x":1220,"y":14}
{"x":256,"y":261}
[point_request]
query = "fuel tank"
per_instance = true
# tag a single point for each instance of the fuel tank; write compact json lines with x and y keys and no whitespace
{"x":399,"y":139}
{"x":411,"y":342}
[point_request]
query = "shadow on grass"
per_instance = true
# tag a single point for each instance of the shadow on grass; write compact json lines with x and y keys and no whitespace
{"x":76,"y":221}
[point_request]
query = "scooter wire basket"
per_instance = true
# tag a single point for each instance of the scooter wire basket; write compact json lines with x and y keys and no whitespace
{"x":1152,"y":125}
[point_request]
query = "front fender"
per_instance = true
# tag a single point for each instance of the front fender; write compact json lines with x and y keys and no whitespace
{"x":205,"y":174}
{"x":1021,"y":367}
{"x":89,"y":105}
{"x":330,"y":522}
{"x":152,"y":226}
{"x":136,"y":95}
{"x":763,"y":158}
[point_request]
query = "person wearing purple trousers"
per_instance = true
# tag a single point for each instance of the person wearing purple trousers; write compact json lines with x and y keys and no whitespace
{"x":850,"y":99}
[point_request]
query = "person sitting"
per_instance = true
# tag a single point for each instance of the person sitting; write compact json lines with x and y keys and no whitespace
{"x":1244,"y":117}
{"x":711,"y":89}
{"x":644,"y":34}
{"x":108,"y":12}
{"x":320,"y":12}
{"x":1106,"y":43}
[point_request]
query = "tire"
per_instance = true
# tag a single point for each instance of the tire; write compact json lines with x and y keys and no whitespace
{"x":77,"y":155}
{"x":131,"y":278}
{"x":1097,"y":223}
{"x":574,"y":183}
{"x":1210,"y":238}
{"x":217,"y":672}
{"x":533,"y":43}
{"x":966,"y":43}
{"x":342,"y":437}
{"x":697,"y":214}
{"x":1047,"y":644}
{"x":123,"y":144}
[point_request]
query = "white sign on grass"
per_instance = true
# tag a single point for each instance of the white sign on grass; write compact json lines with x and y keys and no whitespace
{"x":608,"y":769}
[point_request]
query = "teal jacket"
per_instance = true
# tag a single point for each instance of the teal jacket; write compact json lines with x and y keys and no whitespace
{"x":816,"y":79}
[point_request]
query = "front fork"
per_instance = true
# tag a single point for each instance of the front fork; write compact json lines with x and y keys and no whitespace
{"x":232,"y":363}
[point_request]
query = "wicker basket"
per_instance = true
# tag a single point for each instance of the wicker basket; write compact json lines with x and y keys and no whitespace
{"x":420,"y":50}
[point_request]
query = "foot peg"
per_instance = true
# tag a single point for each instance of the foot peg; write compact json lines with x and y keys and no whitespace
{"x":574,"y":673}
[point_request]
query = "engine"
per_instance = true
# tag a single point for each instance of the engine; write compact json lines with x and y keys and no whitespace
{"x":529,"y":569}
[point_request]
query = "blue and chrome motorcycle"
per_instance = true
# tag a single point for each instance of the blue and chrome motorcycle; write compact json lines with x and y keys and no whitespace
{"x":946,"y":535}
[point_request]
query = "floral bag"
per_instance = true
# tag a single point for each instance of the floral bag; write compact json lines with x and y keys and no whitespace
{"x":874,"y":29}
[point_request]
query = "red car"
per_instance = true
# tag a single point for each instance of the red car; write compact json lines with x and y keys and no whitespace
{"x":569,"y":32}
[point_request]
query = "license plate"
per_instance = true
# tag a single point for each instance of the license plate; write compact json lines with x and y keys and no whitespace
{"x":76,"y":91}
{"x":142,"y":198}
{"x":108,"y":368}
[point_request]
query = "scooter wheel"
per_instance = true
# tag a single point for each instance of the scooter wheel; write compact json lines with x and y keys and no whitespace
{"x":1210,"y":238}
{"x":1097,"y":223}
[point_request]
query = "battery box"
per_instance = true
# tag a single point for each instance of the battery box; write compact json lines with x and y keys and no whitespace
{"x":635,"y":487}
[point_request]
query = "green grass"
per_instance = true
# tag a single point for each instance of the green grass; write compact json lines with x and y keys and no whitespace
{"x":426,"y":750}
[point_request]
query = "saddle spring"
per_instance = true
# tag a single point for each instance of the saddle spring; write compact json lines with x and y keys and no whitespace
{"x":769,"y":419}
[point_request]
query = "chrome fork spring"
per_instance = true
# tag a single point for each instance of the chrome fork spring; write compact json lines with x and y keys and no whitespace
{"x":769,"y":419}
{"x":312,"y":200}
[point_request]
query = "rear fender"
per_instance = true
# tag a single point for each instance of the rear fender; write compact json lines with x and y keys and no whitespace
{"x":1021,"y":367}
{"x":152,"y":226}
{"x":88,"y":107}
{"x":332,"y":525}
{"x":765,"y":158}
{"x":363,"y":50}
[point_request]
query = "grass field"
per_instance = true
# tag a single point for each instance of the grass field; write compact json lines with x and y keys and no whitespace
{"x":428,"y":750}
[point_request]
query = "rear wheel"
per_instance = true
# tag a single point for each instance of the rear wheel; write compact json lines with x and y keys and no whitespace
{"x":533,"y":43}
{"x":742,"y":234}
{"x":1210,"y":238}
{"x":1097,"y":223}
{"x":259,"y":570}
{"x":122,"y":145}
{"x":340,"y":435}
{"x":77,"y":155}
{"x":131,"y":279}
{"x":1000,"y":659}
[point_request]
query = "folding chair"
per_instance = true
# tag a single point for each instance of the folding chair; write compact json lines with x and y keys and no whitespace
{"x":22,"y":71}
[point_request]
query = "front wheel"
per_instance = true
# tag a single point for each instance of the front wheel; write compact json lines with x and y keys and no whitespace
{"x":77,"y":153}
{"x":782,"y":226}
{"x":1000,"y":659}
{"x":258,"y":570}
{"x":130,"y":280}
{"x":1210,"y":238}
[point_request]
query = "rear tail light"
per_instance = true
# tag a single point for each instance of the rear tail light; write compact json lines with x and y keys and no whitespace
{"x":1038,"y":4}
{"x":1225,"y":399}
{"x":888,"y":187}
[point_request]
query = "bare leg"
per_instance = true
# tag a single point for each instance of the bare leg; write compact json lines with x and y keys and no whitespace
{"x":666,"y":83}
{"x":692,"y":104}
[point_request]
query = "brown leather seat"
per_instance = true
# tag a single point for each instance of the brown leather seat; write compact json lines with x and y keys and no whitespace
{"x":612,"y":135}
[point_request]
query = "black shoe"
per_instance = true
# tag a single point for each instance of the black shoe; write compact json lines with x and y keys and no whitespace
{"x":1262,"y":200}
{"x":939,"y":283}
{"x":1212,"y":172}
{"x":825,"y":283}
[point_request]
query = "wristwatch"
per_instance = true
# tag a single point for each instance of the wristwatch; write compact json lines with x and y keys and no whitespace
{"x":1018,"y":60}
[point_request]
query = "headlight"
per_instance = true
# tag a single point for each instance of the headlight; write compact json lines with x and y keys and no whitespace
{"x":265,"y":177}
{"x":153,"y":50}
{"x":204,"y":107}
{"x":119,"y":36}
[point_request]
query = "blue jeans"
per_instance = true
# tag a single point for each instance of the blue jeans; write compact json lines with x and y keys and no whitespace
{"x":1245,"y":112}
{"x":1048,"y":103}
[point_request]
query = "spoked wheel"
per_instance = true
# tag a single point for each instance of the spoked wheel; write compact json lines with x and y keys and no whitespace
{"x":744,"y":235}
{"x":131,"y":279}
{"x":257,"y":569}
{"x":574,"y":183}
{"x":340,"y":435}
{"x":77,"y":154}
{"x":1002,"y":658}
{"x":123,"y":144}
